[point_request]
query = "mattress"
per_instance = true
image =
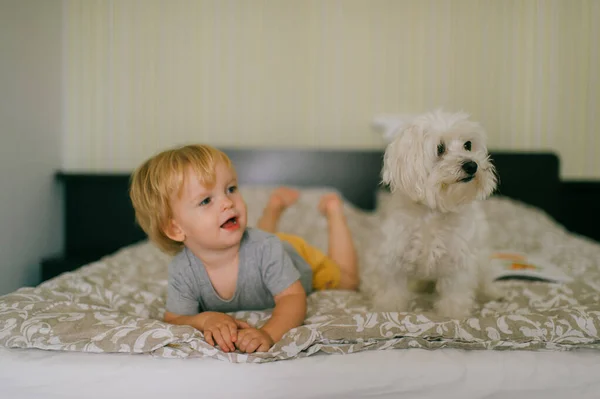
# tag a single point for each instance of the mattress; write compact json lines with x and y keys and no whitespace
{"x":412,"y":373}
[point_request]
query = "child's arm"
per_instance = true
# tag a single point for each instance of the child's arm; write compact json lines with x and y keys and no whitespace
{"x":289,"y":311}
{"x":217,"y":327}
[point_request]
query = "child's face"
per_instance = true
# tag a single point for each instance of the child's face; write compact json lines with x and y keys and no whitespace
{"x":208,"y":219}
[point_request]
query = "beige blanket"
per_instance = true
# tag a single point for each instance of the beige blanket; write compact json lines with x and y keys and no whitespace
{"x":116,"y":304}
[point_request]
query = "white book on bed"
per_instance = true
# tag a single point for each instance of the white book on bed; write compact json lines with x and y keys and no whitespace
{"x":509,"y":265}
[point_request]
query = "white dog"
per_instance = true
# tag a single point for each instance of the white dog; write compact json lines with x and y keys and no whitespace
{"x":437,"y":167}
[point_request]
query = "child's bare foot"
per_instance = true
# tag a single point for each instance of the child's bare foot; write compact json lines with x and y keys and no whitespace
{"x":331,"y":204}
{"x":282,"y":198}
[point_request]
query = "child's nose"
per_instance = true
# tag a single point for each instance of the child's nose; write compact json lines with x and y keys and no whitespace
{"x":227,"y":203}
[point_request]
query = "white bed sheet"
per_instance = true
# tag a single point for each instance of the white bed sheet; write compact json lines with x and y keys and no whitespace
{"x":414,"y":373}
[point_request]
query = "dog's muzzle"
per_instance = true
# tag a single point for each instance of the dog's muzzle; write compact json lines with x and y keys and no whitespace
{"x":470,"y":168}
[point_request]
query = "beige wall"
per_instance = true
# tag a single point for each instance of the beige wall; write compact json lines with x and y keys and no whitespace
{"x":30,"y":138}
{"x":142,"y":75}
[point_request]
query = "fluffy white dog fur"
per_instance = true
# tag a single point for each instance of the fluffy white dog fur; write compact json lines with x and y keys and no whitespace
{"x":438,"y":169}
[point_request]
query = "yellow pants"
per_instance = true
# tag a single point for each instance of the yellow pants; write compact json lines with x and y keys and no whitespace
{"x":326,"y":272}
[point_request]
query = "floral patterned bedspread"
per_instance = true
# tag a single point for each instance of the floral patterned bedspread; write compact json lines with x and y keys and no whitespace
{"x":116,"y":304}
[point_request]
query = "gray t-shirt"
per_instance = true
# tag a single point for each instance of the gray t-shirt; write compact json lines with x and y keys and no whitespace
{"x":267,"y":266}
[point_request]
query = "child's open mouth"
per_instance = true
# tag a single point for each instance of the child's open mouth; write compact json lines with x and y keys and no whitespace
{"x":231,"y":224}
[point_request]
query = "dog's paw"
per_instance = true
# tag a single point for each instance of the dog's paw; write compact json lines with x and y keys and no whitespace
{"x":454,"y":307}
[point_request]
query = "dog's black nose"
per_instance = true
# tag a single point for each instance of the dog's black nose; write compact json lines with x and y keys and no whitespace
{"x":470,"y":167}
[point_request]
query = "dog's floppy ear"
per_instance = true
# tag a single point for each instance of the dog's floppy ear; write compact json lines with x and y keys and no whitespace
{"x":391,"y":126}
{"x":403,"y":163}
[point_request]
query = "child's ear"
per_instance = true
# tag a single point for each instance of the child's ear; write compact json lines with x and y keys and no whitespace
{"x":174,"y":232}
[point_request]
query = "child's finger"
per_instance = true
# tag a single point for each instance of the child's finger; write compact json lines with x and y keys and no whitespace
{"x":237,"y":341}
{"x":253,"y":345}
{"x":240,"y":335}
{"x":209,"y":338}
{"x":243,"y":342}
{"x":233,"y":332}
{"x":227,"y":337}
{"x":219,"y":338}
{"x":242,"y":324}
{"x":264,"y":347}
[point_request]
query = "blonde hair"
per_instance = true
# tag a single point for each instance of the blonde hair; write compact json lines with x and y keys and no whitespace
{"x":158,"y":179}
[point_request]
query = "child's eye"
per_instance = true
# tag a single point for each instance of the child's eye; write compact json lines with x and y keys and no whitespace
{"x":468,"y":146}
{"x":232,"y":189}
{"x":205,"y":201}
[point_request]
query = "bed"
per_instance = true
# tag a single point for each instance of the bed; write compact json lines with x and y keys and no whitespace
{"x":97,"y":329}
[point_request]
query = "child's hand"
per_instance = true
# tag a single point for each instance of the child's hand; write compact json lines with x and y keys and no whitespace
{"x":251,"y":340}
{"x":223,"y":329}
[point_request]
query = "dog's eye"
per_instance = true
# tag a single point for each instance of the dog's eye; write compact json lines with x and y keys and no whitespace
{"x":468,"y":146}
{"x":441,"y":149}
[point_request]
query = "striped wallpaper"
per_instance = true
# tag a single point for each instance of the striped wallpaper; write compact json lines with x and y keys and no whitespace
{"x":141,"y":75}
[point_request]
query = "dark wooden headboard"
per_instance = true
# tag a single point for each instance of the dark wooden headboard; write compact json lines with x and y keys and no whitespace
{"x":100,"y":219}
